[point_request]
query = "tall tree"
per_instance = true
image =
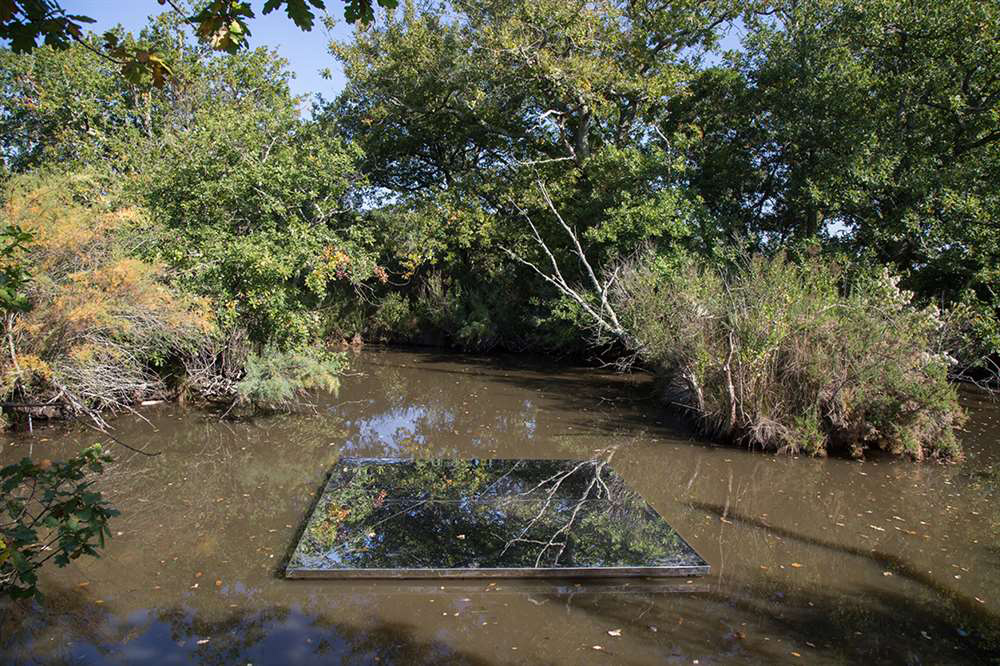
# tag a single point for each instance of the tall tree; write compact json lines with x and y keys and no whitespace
{"x":874,"y":124}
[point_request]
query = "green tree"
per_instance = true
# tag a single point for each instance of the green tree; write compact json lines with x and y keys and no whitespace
{"x":459,"y":110}
{"x":249,"y":203}
{"x":254,"y":207}
{"x":871,"y":125}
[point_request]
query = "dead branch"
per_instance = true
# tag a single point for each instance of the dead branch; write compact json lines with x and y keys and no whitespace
{"x":603,"y":316}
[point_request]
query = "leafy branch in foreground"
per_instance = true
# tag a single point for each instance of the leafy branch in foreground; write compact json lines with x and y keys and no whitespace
{"x":49,"y":511}
{"x":222,"y":24}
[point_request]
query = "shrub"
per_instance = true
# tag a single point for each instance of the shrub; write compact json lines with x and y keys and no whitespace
{"x":99,"y":319}
{"x":467,"y":316}
{"x":278,"y":379}
{"x":393,"y":318}
{"x":49,"y":511}
{"x":794,"y":356}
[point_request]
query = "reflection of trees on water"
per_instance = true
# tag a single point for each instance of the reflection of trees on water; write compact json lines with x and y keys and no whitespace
{"x":248,"y":633}
{"x":283,"y":467}
{"x":409,"y":412}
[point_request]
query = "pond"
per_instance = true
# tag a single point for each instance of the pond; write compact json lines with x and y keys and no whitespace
{"x":812,"y":560}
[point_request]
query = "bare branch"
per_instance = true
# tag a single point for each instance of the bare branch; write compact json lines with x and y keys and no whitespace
{"x":605,"y":317}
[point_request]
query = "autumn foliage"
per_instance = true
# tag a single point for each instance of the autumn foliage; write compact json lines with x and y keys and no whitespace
{"x":99,"y":319}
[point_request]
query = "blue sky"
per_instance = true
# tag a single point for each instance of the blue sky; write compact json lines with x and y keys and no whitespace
{"x":306,"y":52}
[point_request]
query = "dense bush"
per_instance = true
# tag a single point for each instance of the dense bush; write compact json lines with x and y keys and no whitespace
{"x":278,"y":379}
{"x":99,"y":320}
{"x":795,"y":356}
{"x":252,"y":201}
{"x":103,"y":329}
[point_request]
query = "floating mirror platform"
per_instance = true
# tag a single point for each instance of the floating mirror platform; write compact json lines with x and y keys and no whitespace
{"x":402,"y":518}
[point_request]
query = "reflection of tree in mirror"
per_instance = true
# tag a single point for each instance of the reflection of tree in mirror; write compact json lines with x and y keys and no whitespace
{"x":472,"y":514}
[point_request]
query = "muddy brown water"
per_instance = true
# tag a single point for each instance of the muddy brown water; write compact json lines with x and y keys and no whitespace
{"x":813,"y":561}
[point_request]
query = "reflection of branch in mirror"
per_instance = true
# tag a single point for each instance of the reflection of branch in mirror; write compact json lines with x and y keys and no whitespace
{"x":421,"y":518}
{"x":557,"y":481}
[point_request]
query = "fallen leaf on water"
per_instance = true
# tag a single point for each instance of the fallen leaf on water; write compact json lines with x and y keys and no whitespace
{"x":614,"y":632}
{"x":796,"y":654}
{"x":796,"y":565}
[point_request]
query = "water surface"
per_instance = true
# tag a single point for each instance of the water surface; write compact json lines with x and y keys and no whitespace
{"x":813,"y":561}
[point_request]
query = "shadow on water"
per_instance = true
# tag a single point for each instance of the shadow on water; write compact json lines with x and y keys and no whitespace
{"x":962,"y":605}
{"x":242,"y":633}
{"x":779,"y":621}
